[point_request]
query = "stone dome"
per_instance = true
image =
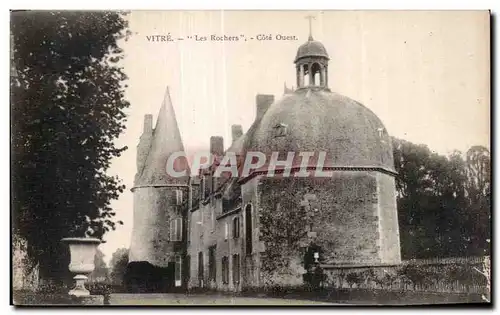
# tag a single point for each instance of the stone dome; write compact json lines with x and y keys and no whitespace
{"x":311,"y":48}
{"x":315,"y":120}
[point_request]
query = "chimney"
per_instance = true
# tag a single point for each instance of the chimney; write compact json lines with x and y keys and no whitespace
{"x":216,"y":149}
{"x":236,"y":132}
{"x":217,"y":145}
{"x":263,"y":103}
{"x":148,"y":124}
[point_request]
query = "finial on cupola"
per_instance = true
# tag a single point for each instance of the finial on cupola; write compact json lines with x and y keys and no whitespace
{"x":311,"y":63}
{"x":310,"y":18}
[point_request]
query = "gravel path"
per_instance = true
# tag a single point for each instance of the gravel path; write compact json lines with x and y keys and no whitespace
{"x":201,"y":299}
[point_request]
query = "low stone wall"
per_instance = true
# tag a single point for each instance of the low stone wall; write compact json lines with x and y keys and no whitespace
{"x":450,"y":275}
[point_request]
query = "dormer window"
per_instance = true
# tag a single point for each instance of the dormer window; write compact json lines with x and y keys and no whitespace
{"x":280,"y":130}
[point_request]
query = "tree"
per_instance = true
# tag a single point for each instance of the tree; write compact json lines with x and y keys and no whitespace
{"x":118,"y":265}
{"x":478,"y":171}
{"x":479,"y":197}
{"x":443,"y":201}
{"x":67,"y":104}
{"x":100,"y":272}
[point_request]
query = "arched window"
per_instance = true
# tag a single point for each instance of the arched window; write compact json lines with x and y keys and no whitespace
{"x":316,"y":73}
{"x":305,"y":78}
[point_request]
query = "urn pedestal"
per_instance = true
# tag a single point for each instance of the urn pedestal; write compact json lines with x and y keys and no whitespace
{"x":82,"y":253}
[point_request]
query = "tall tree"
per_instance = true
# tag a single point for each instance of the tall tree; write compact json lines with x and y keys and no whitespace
{"x":67,"y":105}
{"x":443,"y":202}
{"x":478,"y":171}
{"x":479,"y":196}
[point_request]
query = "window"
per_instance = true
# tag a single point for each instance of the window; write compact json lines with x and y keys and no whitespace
{"x":316,"y":74}
{"x":200,"y":269}
{"x":188,"y":268}
{"x":212,"y":219}
{"x":248,"y":229}
{"x":213,"y":183}
{"x":178,"y":266}
{"x":225,"y":270}
{"x":176,"y":230}
{"x":236,"y":269}
{"x":236,"y":227}
{"x":178,"y":197}
{"x":212,"y":267}
{"x":205,"y":188}
{"x":188,"y":228}
{"x":202,"y":187}
{"x":226,"y":231}
{"x":280,"y":130}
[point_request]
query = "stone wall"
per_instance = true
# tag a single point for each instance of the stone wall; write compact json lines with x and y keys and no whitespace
{"x":252,"y":259}
{"x":207,"y":228}
{"x":352,"y":216}
{"x":347,"y":215}
{"x":452,"y":275}
{"x":388,"y":219}
{"x":154,"y":207}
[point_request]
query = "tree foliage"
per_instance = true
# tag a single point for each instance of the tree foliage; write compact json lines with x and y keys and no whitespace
{"x":118,"y":265}
{"x":67,"y":104}
{"x":443,"y":202}
{"x":101,"y":271}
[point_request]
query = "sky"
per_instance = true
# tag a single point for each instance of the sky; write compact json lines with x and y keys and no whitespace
{"x":425,"y":74}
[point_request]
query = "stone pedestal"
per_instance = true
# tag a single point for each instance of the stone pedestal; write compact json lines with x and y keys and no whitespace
{"x":79,"y":289}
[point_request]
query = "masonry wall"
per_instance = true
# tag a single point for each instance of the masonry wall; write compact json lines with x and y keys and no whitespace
{"x":353,"y":217}
{"x":388,"y":219}
{"x":453,"y":274}
{"x":251,"y":259}
{"x":153,"y":210}
{"x":345,"y":223}
{"x":206,"y":229}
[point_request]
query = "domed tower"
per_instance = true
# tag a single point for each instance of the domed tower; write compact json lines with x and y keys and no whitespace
{"x":346,"y":204}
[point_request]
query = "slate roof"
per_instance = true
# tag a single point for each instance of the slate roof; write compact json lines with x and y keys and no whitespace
{"x":166,"y":140}
{"x":317,"y":120}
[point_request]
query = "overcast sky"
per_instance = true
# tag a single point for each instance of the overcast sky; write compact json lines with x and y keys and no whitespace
{"x":425,"y":74}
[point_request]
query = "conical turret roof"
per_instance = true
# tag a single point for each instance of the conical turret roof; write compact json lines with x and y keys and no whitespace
{"x":165,"y":142}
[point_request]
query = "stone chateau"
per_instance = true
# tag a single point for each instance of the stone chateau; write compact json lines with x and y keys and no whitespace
{"x":256,"y":231}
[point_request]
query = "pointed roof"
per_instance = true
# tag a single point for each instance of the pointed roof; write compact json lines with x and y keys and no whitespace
{"x":166,"y":140}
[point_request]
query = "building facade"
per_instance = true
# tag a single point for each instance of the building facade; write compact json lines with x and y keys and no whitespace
{"x":268,"y":227}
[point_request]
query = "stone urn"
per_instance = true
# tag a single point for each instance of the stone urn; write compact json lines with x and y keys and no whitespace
{"x":82,"y":251}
